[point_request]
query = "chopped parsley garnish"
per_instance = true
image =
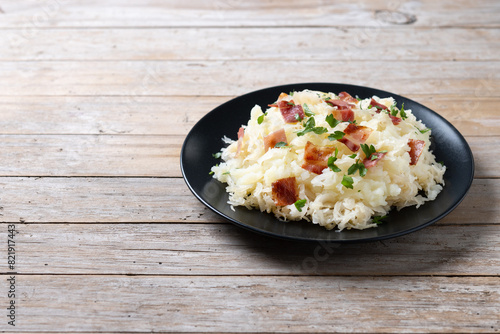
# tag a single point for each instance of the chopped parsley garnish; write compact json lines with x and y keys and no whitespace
{"x":297,"y":117}
{"x":357,"y":166}
{"x":402,"y":112}
{"x":281,"y":144}
{"x":378,"y":219}
{"x":368,"y":149}
{"x":299,"y":204}
{"x":332,"y":121}
{"x":352,"y":156}
{"x":291,"y":93}
{"x":217,"y":155}
{"x":336,"y":135}
{"x":261,"y":118}
{"x":331,"y":162}
{"x":347,"y":182}
{"x":225,"y":173}
{"x":307,"y":111}
{"x":394,"y":110}
{"x":310,"y":126}
{"x":290,"y":103}
{"x":424,"y":130}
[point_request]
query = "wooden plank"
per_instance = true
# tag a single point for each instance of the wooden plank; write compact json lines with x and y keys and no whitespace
{"x":163,"y":200}
{"x":216,"y":78}
{"x":134,"y":155}
{"x":253,"y":44}
{"x":177,"y":249}
{"x":176,"y":115}
{"x":34,"y":15}
{"x":68,"y":155}
{"x":256,"y":304}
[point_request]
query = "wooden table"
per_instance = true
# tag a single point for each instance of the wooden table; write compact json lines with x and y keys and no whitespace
{"x":96,"y":100}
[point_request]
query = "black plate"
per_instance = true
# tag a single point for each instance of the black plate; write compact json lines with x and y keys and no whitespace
{"x":204,"y":139}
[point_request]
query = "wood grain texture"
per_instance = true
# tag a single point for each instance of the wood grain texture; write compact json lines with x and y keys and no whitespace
{"x":257,"y":303}
{"x":133,"y":79}
{"x":261,"y":43}
{"x":195,"y":249}
{"x":33,"y":15}
{"x":163,"y":200}
{"x":176,"y":115}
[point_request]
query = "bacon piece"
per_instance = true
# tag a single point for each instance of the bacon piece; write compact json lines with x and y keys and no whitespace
{"x":395,"y":120}
{"x":343,"y":112}
{"x":372,"y":160}
{"x":241,"y":133}
{"x":284,"y":191}
{"x":416,"y":149}
{"x":273,"y":138}
{"x":289,"y":109}
{"x":316,"y":158}
{"x":344,"y":96}
{"x":355,"y":135}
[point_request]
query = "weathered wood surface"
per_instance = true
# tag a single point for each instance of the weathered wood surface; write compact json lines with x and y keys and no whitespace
{"x":31,"y":14}
{"x":133,"y":79}
{"x":163,"y":200}
{"x":253,"y":44}
{"x":96,"y":98}
{"x":178,"y":249}
{"x":258,"y":303}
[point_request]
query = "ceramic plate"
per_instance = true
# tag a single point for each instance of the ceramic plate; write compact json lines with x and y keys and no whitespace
{"x":204,"y":139}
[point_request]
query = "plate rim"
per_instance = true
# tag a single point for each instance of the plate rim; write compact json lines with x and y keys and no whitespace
{"x":302,"y":239}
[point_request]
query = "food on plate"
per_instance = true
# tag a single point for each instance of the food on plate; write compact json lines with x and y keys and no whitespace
{"x":331,"y":159}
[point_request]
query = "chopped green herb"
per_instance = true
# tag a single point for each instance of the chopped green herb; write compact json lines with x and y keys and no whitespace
{"x":261,"y":118}
{"x":290,"y":103}
{"x":307,"y":111}
{"x":211,"y":172}
{"x":299,"y":204}
{"x":394,"y":110}
{"x":297,"y":117}
{"x":352,"y":156}
{"x":328,"y":98}
{"x":332,"y":121}
{"x":217,"y":155}
{"x":291,"y":93}
{"x":281,"y":144}
{"x":310,"y":126}
{"x":331,"y":162}
{"x":225,"y":173}
{"x":402,"y":112}
{"x":368,"y":150}
{"x":357,"y":166}
{"x":336,"y":135}
{"x":347,"y":182}
{"x":378,"y":219}
{"x":424,"y":130}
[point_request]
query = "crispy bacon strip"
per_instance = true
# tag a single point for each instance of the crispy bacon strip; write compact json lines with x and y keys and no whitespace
{"x":343,"y":112}
{"x":395,"y":120}
{"x":316,"y":158}
{"x":241,"y":134}
{"x":344,"y":96}
{"x":284,"y":191}
{"x":416,"y":149}
{"x":273,"y":138}
{"x":289,"y":110}
{"x":355,"y":135}
{"x":372,"y":160}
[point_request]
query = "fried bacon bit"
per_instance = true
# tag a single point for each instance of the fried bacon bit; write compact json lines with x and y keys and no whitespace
{"x":316,"y":158}
{"x":416,"y":149}
{"x":285,"y":191}
{"x":343,"y":112}
{"x":355,"y":135}
{"x":395,"y":120}
{"x":372,"y":160}
{"x":344,"y":96}
{"x":273,"y":138}
{"x":241,"y":133}
{"x":290,"y":111}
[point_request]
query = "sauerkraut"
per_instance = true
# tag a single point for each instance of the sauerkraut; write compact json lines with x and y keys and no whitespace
{"x":359,"y":178}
